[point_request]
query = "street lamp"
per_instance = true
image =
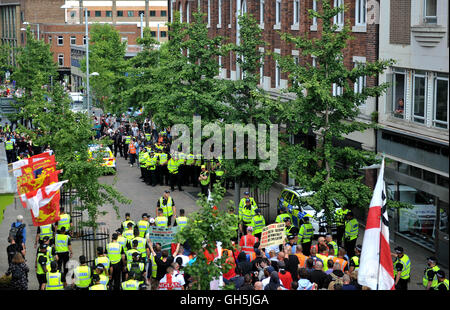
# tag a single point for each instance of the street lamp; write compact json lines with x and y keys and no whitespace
{"x":37,"y":24}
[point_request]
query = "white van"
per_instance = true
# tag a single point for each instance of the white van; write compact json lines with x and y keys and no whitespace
{"x":77,"y":102}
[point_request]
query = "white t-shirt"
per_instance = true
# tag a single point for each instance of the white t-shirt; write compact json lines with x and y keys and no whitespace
{"x":176,"y":283}
{"x":266,"y":281}
{"x":184,"y":258}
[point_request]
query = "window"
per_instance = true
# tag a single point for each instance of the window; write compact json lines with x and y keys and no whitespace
{"x":419,"y":96}
{"x":261,"y":13}
{"x":130,"y":13}
{"x":163,"y":34}
{"x":60,"y":41}
{"x":296,"y":12}
{"x":360,"y":83}
{"x":360,"y":13}
{"x":73,"y":14}
{"x":50,"y":40}
{"x":108,"y":13}
{"x":231,"y":13}
{"x":278,"y":12}
{"x":73,"y":40}
{"x":89,"y":13}
{"x":337,"y":90}
{"x":152,"y":13}
{"x":440,"y":102}
{"x":153,"y":33}
{"x":119,"y":13}
{"x":180,"y":9}
{"x":339,"y":18}
{"x":398,"y":94}
{"x":314,"y":61}
{"x":123,"y":39}
{"x":219,"y":13}
{"x":188,"y":13}
{"x":98,"y":13}
{"x":430,"y":10}
{"x":61,"y":60}
{"x":164,"y":13}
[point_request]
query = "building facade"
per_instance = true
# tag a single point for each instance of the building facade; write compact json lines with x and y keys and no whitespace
{"x":414,"y":117}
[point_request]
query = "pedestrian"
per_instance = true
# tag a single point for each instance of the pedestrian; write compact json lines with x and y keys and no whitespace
{"x":318,"y":276}
{"x":430,"y":280}
{"x":18,"y":270}
{"x":442,"y":281}
{"x":244,"y":265}
{"x":204,"y":179}
{"x":247,"y":286}
{"x":167,"y":204}
{"x":274,"y":282}
{"x":351,"y":234}
{"x":248,"y":241}
{"x":347,"y":285}
{"x":96,"y":284}
{"x":285,"y":277}
{"x":163,"y":261}
{"x":304,"y":284}
{"x":82,"y":275}
{"x":171,"y":280}
{"x":301,"y":257}
{"x":132,"y":151}
{"x":63,"y":249}
{"x":305,"y":234}
{"x":42,"y":266}
{"x":13,"y":248}
{"x":335,"y":275}
{"x":292,"y":262}
{"x":116,"y":257}
{"x":258,"y":286}
{"x":19,"y":231}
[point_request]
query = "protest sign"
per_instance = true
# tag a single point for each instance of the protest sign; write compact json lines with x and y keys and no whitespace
{"x":163,"y":235}
{"x":273,"y":234}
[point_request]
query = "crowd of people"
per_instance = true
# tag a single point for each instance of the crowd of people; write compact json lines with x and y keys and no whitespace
{"x":131,"y":261}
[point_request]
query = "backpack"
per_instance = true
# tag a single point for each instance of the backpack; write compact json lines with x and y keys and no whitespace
{"x":16,"y":232}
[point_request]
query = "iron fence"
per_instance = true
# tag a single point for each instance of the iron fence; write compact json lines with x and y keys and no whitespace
{"x":91,"y":240}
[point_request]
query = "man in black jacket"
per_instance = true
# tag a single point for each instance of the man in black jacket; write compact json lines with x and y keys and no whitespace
{"x":118,"y":143}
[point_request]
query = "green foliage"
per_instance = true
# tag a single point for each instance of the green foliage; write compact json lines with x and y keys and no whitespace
{"x":331,"y":171}
{"x":107,"y":57}
{"x":206,"y":227}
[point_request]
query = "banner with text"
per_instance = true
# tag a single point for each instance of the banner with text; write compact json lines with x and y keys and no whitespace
{"x":163,"y":235}
{"x":273,"y":234}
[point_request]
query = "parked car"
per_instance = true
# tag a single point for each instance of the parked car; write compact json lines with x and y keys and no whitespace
{"x":96,"y":151}
{"x":297,"y":209}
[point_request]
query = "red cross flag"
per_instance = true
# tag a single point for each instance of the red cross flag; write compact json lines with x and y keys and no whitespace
{"x":376,"y":270}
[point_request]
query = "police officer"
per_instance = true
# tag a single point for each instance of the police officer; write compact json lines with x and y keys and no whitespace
{"x":442,"y":281}
{"x":63,"y":249}
{"x":152,"y":161}
{"x":290,"y":230}
{"x":96,"y":285}
{"x":243,"y":199}
{"x":331,"y":242}
{"x":137,"y":267}
{"x":131,"y":283}
{"x":283,"y":214}
{"x":42,"y":266}
{"x":9,"y":147}
{"x":354,"y":260}
{"x":197,"y":169}
{"x":235,"y":226}
{"x":247,"y":214}
{"x":402,"y":269}
{"x":430,"y":280}
{"x":125,"y":142}
{"x":219,"y":171}
{"x":127,"y":220}
{"x":64,"y":221}
{"x":340,"y":224}
{"x":82,"y":275}
{"x":103,"y":259}
{"x":351,"y":234}
{"x":44,"y":231}
{"x":116,"y":256}
{"x":161,"y":220}
{"x":172,"y":167}
{"x":181,"y":221}
{"x":305,"y":235}
{"x":142,"y":161}
{"x":143,"y":225}
{"x":53,"y":278}
{"x":189,"y":169}
{"x":204,"y":179}
{"x":167,"y":204}
{"x":162,"y":172}
{"x":258,"y":222}
{"x":182,"y":168}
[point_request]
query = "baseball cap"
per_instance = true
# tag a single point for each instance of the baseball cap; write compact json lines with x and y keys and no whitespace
{"x":440,"y":273}
{"x":398,"y":250}
{"x":152,"y":220}
{"x":167,"y":191}
{"x":144,"y":215}
{"x":203,"y":166}
{"x":249,"y":228}
{"x":43,"y":246}
{"x":246,"y":193}
{"x":432,"y":259}
{"x":359,"y":247}
{"x":100,"y":266}
{"x":286,"y":219}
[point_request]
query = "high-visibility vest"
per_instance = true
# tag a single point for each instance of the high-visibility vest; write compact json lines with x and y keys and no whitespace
{"x":45,"y":231}
{"x":129,"y":254}
{"x":172,"y":166}
{"x":104,"y":279}
{"x":39,"y":269}
{"x":130,"y":285}
{"x":61,"y":243}
{"x":104,"y":260}
{"x":249,"y":241}
{"x":247,"y":215}
{"x":140,"y":267}
{"x":444,"y":283}
{"x":128,"y":234}
{"x":167,"y":208}
{"x":198,"y":160}
{"x":181,"y":221}
{"x":148,"y":136}
{"x":181,"y":158}
{"x":340,"y":216}
{"x":341,"y":261}
{"x":242,"y":202}
{"x":190,"y":159}
{"x":305,"y":233}
{"x":125,"y":224}
{"x":154,"y":267}
{"x":122,"y":241}
{"x":258,"y":222}
{"x":161,"y":221}
{"x":132,"y":148}
{"x":335,"y":247}
{"x":64,"y":221}
{"x":141,"y":157}
{"x":251,"y":256}
{"x":434,"y":282}
{"x":324,"y":261}
{"x":351,"y":229}
{"x":127,"y":139}
{"x":114,"y":252}
{"x":280,"y":218}
{"x":98,"y":287}
{"x":205,"y":182}
{"x":141,"y":246}
{"x":49,"y":254}
{"x":301,"y":259}
{"x":143,"y":226}
{"x":162,"y":158}
{"x":151,"y":162}
{"x":82,"y":276}
{"x":54,"y":281}
{"x":9,"y":145}
{"x":219,"y":171}
{"x":406,"y":262}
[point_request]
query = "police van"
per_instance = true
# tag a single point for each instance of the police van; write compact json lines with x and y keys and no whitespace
{"x":290,"y":199}
{"x":100,"y":151}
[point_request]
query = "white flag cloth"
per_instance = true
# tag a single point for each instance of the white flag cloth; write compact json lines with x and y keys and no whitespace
{"x":376,"y":269}
{"x":17,"y":172}
{"x":41,"y":197}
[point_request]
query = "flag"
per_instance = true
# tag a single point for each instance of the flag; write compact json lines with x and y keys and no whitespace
{"x":376,"y":269}
{"x":41,"y":197}
{"x":26,"y":161}
{"x":43,"y":163}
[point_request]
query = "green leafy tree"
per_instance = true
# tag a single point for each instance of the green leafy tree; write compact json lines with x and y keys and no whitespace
{"x":107,"y":57}
{"x":331,"y":171}
{"x":207,"y":226}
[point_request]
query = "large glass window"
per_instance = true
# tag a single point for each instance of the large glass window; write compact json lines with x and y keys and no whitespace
{"x":419,"y":98}
{"x":339,"y":18}
{"x":296,"y":12}
{"x":440,"y":102}
{"x":398,"y":94}
{"x":108,"y":13}
{"x":261,"y":12}
{"x":98,"y":13}
{"x":278,"y":12}
{"x":360,"y":12}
